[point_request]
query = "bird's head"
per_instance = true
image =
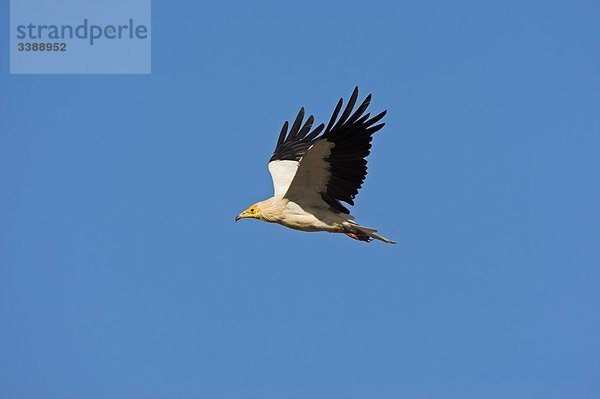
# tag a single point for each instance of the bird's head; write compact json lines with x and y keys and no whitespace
{"x":252,"y":212}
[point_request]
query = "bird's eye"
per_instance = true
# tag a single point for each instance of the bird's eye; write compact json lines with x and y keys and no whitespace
{"x":252,"y":210}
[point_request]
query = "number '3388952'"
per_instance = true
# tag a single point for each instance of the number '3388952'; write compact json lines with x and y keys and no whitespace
{"x":42,"y":46}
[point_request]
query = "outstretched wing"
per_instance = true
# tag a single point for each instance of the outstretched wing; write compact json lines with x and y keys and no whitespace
{"x":290,"y":149}
{"x":328,"y":169}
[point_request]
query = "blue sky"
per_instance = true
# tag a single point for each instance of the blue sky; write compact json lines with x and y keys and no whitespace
{"x":123,"y":274}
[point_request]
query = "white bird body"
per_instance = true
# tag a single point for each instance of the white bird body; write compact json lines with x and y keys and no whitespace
{"x":308,"y":218}
{"x":312,"y":174}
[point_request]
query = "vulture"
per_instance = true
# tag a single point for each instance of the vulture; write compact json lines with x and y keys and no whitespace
{"x":315,"y":170}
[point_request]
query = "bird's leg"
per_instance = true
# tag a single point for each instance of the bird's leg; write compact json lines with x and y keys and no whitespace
{"x":352,"y":235}
{"x":359,"y":237}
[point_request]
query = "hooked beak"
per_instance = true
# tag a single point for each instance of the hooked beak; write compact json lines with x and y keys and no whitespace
{"x":245,"y":215}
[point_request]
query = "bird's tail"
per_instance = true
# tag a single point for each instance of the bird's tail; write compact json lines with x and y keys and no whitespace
{"x":367,"y":234}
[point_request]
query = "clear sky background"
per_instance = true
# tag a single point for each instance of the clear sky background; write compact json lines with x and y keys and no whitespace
{"x":123,"y":274}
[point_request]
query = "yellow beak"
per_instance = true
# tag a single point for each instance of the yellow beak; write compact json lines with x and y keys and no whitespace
{"x":243,"y":215}
{"x":247,"y":214}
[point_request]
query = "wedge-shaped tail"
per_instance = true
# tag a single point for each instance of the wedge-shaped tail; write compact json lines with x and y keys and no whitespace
{"x":367,"y":234}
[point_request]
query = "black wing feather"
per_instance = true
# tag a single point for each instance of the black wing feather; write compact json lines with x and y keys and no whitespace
{"x":352,"y":138}
{"x":298,"y":139}
{"x":334,"y":115}
{"x":296,"y":126}
{"x":348,"y":109}
{"x":284,"y":129}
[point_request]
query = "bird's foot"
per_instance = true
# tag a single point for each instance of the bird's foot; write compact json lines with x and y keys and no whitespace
{"x":352,"y":235}
{"x":364,"y":238}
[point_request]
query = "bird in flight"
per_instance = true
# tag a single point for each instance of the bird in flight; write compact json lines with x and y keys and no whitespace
{"x":313,"y":173}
